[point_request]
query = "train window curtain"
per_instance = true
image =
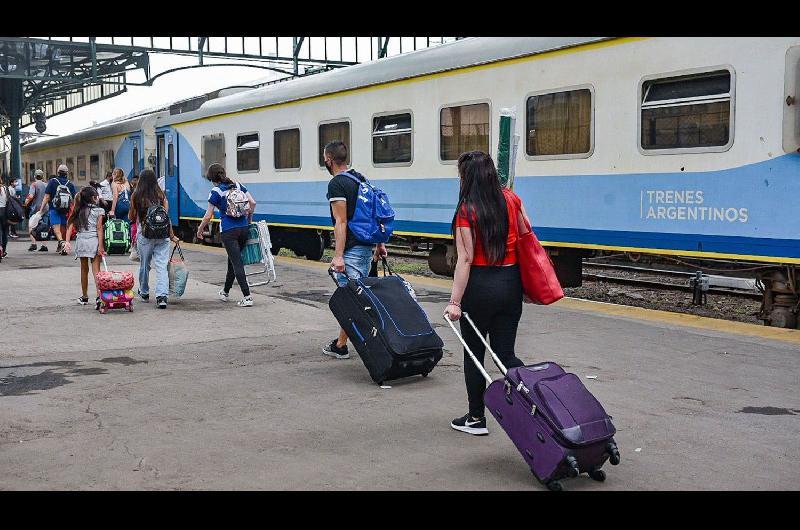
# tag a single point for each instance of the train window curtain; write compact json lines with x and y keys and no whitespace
{"x":329,"y":132}
{"x":559,"y":123}
{"x":287,"y":149}
{"x":463,"y":128}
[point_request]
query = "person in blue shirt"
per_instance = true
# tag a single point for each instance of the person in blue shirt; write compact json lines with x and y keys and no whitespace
{"x":58,"y":217}
{"x":236,"y":207}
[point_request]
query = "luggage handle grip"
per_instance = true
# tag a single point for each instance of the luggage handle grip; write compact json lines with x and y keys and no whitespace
{"x":472,"y":355}
{"x":105,"y":265}
{"x":333,"y":273}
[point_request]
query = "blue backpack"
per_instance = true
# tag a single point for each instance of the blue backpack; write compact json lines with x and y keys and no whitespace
{"x":373,"y":219}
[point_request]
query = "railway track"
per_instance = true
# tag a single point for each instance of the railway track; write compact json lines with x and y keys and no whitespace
{"x":650,"y":284}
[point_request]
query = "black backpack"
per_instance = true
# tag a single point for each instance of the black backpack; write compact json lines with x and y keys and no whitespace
{"x":156,"y":223}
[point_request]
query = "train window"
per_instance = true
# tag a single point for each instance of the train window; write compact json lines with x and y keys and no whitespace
{"x":49,"y":167}
{"x":81,"y":168}
{"x":135,"y":156}
{"x":287,"y":149}
{"x":687,"y":111}
{"x":40,"y":165}
{"x":559,"y":123}
{"x":391,"y":139}
{"x":31,"y":172}
{"x":108,"y":156}
{"x":463,"y":128}
{"x":71,"y":167}
{"x":329,"y":132}
{"x":212,"y":150}
{"x":247,"y":150}
{"x":94,"y":167}
{"x":59,"y":161}
{"x":170,"y":160}
{"x":162,"y":171}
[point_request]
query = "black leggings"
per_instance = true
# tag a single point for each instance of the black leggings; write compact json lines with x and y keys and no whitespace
{"x":234,"y":241}
{"x":3,"y":228}
{"x":493,"y":299}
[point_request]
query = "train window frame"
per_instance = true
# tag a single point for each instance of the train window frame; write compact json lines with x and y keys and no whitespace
{"x":592,"y":124}
{"x":135,"y":156}
{"x":300,"y":146}
{"x":791,"y":112}
{"x":48,"y":165}
{"x":681,"y":73}
{"x":349,"y":142}
{"x":97,"y":157}
{"x":170,"y":158}
{"x":258,"y":149}
{"x":203,"y":163}
{"x":439,"y":126}
{"x":80,"y":160}
{"x":372,"y":136}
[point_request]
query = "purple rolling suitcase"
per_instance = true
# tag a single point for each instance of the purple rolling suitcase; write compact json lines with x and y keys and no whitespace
{"x":558,"y":426}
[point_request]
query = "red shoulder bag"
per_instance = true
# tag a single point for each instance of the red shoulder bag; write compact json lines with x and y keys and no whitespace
{"x":539,"y":280}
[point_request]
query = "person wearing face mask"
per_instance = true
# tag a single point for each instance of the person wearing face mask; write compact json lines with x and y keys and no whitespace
{"x":351,"y":258}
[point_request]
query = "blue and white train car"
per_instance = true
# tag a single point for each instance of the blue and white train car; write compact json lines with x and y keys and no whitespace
{"x":90,"y":153}
{"x":682,"y":146}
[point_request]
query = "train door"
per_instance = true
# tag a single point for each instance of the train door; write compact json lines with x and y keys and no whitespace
{"x":166,"y":155}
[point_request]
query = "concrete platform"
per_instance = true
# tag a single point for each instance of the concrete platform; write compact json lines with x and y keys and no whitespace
{"x":206,"y":395}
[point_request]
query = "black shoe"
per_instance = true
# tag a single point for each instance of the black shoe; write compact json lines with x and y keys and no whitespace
{"x":161,"y":301}
{"x":334,"y":351}
{"x":469,"y":425}
{"x":97,"y":304}
{"x":145,"y":297}
{"x":43,"y":249}
{"x":32,"y":248}
{"x":83,"y":300}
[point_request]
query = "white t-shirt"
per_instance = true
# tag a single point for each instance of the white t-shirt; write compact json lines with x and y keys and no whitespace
{"x":105,"y":190}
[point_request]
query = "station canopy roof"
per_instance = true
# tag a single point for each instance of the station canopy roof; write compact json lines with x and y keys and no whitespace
{"x":58,"y":75}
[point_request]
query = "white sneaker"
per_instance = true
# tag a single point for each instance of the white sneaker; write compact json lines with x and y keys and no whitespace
{"x":247,"y":301}
{"x":223,"y":295}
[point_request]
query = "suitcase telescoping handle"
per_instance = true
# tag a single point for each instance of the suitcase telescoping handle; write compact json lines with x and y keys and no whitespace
{"x":105,"y":265}
{"x":472,"y":355}
{"x":332,"y":273}
{"x":520,"y":385}
{"x":495,"y":358}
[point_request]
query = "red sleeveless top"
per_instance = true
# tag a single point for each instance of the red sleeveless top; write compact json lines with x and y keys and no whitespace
{"x":479,"y":257}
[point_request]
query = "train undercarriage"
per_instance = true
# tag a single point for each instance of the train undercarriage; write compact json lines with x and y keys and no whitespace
{"x":779,"y":284}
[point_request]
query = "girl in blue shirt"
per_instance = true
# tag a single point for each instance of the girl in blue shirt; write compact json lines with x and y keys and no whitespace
{"x":236,"y":207}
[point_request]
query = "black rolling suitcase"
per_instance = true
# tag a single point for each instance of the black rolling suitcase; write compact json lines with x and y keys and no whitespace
{"x":391,"y":332}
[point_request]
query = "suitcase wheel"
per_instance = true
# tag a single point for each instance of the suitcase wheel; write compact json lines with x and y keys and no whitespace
{"x":554,"y":485}
{"x":613,"y":452}
{"x":424,"y":374}
{"x":573,"y":471}
{"x":597,"y":474}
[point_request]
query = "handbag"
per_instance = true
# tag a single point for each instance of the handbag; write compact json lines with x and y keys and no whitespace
{"x":15,"y":211}
{"x":178,"y":273}
{"x":539,"y":280}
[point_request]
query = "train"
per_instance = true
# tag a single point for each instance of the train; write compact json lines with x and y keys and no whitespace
{"x":677,"y":146}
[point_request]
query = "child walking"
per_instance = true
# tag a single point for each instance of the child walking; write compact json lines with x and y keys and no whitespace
{"x":88,"y":217}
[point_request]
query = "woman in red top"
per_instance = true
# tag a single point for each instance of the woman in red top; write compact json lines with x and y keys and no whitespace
{"x":487,"y":283}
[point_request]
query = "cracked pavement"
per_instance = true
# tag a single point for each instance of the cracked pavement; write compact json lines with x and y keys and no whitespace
{"x":206,"y":395}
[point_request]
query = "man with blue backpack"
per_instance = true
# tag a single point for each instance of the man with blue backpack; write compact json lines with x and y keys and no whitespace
{"x":362,"y":222}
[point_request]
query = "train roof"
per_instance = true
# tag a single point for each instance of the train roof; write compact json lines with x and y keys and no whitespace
{"x":93,"y":133}
{"x":463,"y":53}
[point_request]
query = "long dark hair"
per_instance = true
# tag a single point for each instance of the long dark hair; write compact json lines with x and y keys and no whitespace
{"x":147,"y":193}
{"x":216,"y":174}
{"x":83,"y":205}
{"x":481,"y":199}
